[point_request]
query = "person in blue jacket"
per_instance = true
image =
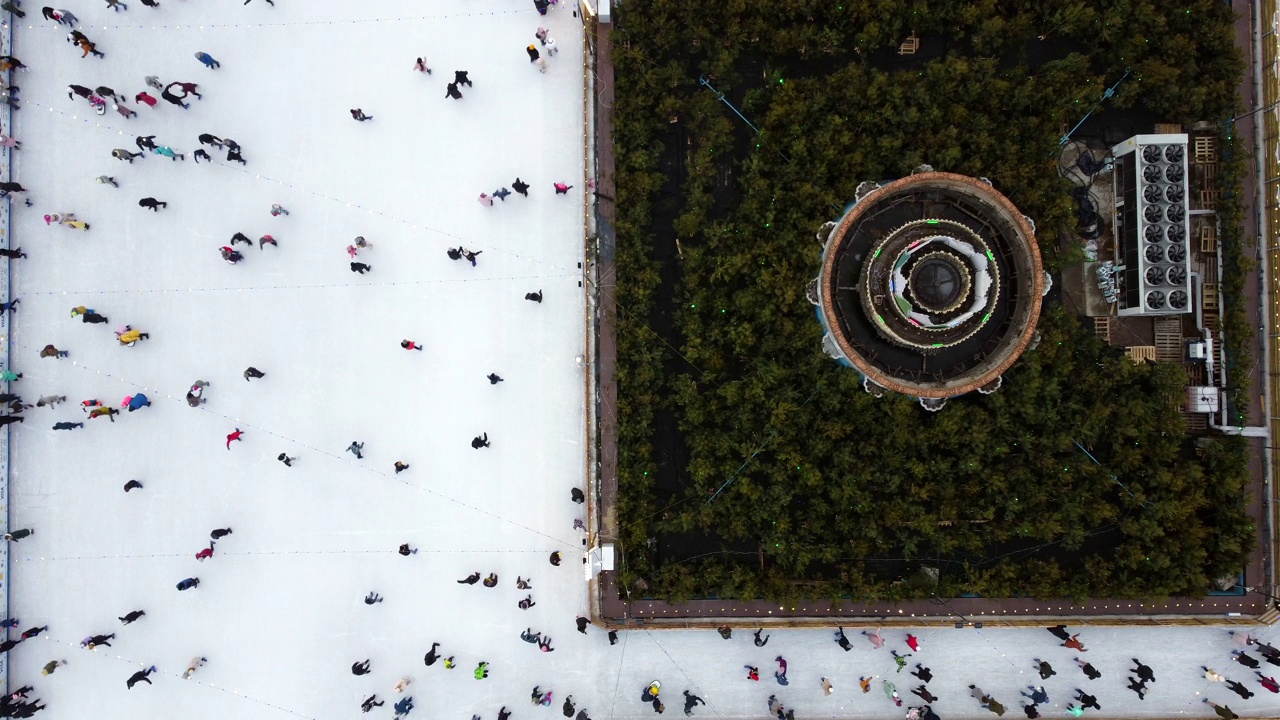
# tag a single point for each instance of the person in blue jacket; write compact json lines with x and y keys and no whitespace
{"x":189,"y":583}
{"x":208,"y":60}
{"x":137,"y":401}
{"x":404,"y":706}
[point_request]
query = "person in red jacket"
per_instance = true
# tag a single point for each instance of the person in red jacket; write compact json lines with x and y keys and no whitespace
{"x":1268,"y":682}
{"x":234,"y":436}
{"x":410,"y":345}
{"x":205,"y":553}
{"x":145,"y":98}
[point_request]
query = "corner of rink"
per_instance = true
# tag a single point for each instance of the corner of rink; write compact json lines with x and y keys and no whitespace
{"x":279,"y":611}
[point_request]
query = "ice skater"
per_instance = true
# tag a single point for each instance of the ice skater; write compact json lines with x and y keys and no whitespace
{"x":140,"y":676}
{"x":95,"y":640}
{"x":359,"y":115}
{"x":132,"y":617}
{"x":372,"y":598}
{"x":843,"y":641}
{"x":1143,"y":672}
{"x":460,"y":77}
{"x":430,"y":658}
{"x":192,"y":666}
{"x":561,"y":188}
{"x":491,"y":580}
{"x":406,"y":551}
{"x":17,"y":535}
{"x":253,"y":372}
{"x":781,"y":674}
{"x":219,"y":533}
{"x":361,"y":268}
{"x":480,"y":441}
{"x":494,"y":379}
{"x":169,"y":152}
{"x":152,"y":204}
{"x":451,"y":91}
{"x":207,"y":60}
{"x":355,"y":448}
{"x":876,"y":640}
{"x":410,"y":345}
{"x":534,"y":297}
{"x":360,"y":668}
{"x":420,"y":65}
{"x":521,"y":187}
{"x":401,"y":467}
{"x":234,"y":437}
{"x":187,"y":584}
{"x":277,"y":211}
{"x":471,"y":579}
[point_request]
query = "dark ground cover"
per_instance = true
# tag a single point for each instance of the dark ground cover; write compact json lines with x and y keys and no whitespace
{"x":824,"y":490}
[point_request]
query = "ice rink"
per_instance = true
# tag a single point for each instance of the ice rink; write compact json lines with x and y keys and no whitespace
{"x":279,"y":612}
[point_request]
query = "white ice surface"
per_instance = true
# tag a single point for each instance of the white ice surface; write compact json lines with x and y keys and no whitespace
{"x":279,"y":612}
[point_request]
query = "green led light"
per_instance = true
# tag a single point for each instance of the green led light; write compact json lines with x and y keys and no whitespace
{"x":880,"y":319}
{"x":930,"y":222}
{"x":937,"y":344}
{"x":873,"y":257}
{"x":990,"y":256}
{"x":986,"y":317}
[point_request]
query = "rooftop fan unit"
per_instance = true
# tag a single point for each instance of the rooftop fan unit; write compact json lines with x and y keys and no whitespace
{"x":1151,"y":227}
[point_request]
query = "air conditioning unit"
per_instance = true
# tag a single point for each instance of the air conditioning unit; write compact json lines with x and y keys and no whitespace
{"x":1152,"y":226}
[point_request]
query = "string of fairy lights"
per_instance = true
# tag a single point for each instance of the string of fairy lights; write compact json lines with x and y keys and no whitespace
{"x":560,"y":270}
{"x":158,"y":393}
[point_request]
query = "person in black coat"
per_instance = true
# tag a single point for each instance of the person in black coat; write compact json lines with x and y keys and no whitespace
{"x":152,"y":204}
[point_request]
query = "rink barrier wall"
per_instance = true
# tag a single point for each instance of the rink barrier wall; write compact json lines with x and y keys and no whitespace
{"x":6,"y":239}
{"x":590,"y":331}
{"x":932,"y":623}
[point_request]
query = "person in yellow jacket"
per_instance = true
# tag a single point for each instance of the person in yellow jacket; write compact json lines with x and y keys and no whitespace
{"x":131,"y":336}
